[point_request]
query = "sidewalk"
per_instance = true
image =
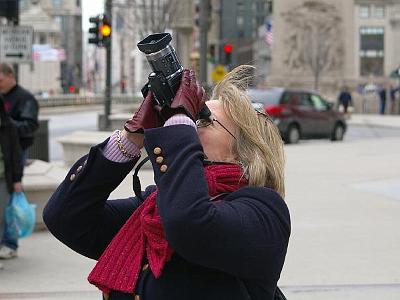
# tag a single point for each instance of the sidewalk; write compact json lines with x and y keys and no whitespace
{"x":372,"y":120}
{"x":344,"y":201}
{"x":48,"y":270}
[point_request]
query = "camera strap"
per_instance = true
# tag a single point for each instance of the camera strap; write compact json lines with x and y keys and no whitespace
{"x":137,"y":188}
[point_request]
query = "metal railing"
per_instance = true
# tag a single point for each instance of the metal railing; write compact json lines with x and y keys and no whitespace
{"x":69,"y":100}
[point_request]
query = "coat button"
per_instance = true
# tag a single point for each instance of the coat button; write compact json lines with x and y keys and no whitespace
{"x":163,"y":168}
{"x":79,"y":169}
{"x":159,"y":160}
{"x":145,"y":267}
{"x":157,"y":150}
{"x":72,"y":177}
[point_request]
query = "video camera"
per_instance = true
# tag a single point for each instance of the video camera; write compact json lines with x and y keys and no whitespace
{"x":166,"y":77}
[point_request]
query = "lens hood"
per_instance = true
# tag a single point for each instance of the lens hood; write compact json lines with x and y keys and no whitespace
{"x":154,"y":42}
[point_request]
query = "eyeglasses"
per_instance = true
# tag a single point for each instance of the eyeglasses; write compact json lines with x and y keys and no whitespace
{"x":200,"y":123}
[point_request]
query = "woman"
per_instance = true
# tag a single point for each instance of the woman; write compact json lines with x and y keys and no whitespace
{"x":10,"y":175}
{"x":215,"y":226}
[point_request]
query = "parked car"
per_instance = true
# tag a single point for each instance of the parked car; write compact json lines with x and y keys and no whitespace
{"x":300,"y":114}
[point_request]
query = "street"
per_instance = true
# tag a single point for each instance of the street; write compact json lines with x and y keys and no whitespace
{"x":63,"y":123}
{"x":344,"y":201}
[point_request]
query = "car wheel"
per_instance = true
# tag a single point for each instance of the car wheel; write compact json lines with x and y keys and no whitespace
{"x":293,"y":135}
{"x":338,"y":133}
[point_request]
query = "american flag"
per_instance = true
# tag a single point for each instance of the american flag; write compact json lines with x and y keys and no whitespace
{"x":269,"y":37}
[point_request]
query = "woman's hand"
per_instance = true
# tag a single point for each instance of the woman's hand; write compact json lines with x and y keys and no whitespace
{"x":145,"y":117}
{"x":17,"y":187}
{"x":189,"y":99}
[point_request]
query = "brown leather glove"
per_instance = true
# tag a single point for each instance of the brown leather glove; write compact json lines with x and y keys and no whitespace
{"x":189,"y":99}
{"x":145,"y":117}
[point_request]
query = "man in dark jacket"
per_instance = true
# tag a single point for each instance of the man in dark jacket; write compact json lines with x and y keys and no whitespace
{"x":345,"y":98}
{"x":21,"y":106}
{"x":10,"y":177}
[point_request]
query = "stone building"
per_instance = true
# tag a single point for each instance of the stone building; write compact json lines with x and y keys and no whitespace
{"x":41,"y":76}
{"x":330,"y":43}
{"x":66,"y":15}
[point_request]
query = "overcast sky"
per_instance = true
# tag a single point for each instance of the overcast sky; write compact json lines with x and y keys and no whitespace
{"x":90,"y":8}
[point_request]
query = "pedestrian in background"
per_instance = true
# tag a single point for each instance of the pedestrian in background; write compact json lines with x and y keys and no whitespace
{"x":23,"y":110}
{"x":393,"y":92}
{"x":214,"y":227}
{"x":382,"y":98}
{"x":11,"y":170}
{"x":22,"y":107}
{"x":345,"y":99}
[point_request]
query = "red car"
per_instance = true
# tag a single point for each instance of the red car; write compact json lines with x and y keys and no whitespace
{"x":300,"y":114}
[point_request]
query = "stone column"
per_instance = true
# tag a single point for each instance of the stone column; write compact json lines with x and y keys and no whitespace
{"x":182,"y":24}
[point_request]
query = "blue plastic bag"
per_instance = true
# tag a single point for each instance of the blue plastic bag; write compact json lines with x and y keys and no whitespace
{"x":20,"y":216}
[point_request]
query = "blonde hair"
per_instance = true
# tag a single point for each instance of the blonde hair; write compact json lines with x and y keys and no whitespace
{"x":258,"y":145}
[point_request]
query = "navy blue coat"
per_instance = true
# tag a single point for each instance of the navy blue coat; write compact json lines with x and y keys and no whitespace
{"x":230,"y":250}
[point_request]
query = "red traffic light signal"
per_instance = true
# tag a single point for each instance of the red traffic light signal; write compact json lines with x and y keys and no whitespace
{"x":228,"y":48}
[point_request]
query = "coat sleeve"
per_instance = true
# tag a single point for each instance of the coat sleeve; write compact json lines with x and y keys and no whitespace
{"x":78,"y":213}
{"x":16,"y":155}
{"x":246,"y":235}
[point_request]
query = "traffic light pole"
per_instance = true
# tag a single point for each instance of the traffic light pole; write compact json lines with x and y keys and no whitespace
{"x":107,"y":95}
{"x":204,"y":4}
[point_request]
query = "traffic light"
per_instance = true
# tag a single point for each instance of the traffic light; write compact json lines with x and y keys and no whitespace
{"x":9,"y":9}
{"x":196,"y":17}
{"x":211,"y":53}
{"x":94,"y":31}
{"x":197,"y":13}
{"x":105,"y":31}
{"x":101,"y":31}
{"x":228,"y":53}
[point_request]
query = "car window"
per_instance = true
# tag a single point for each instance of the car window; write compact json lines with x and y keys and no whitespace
{"x":290,"y":98}
{"x":318,"y":103}
{"x":267,"y":96}
{"x":305,"y":100}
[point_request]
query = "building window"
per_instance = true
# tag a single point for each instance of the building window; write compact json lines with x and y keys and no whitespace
{"x":240,"y":6}
{"x":23,"y":4}
{"x":379,"y":12}
{"x":240,"y":21}
{"x":364,"y":11}
{"x":42,"y":38}
{"x":372,"y":41}
{"x":270,"y":6}
{"x":56,"y":3}
{"x":58,"y":20}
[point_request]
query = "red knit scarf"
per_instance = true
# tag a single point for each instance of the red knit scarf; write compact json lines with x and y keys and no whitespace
{"x":119,"y":266}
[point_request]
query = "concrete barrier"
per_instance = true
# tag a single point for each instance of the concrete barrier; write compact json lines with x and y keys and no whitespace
{"x":40,"y":181}
{"x":78,"y":143}
{"x":117,"y":121}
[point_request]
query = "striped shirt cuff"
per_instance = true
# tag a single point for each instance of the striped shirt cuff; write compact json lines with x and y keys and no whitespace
{"x":180,"y":119}
{"x":113,"y":153}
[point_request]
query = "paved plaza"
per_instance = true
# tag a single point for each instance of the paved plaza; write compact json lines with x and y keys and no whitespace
{"x":344,"y":200}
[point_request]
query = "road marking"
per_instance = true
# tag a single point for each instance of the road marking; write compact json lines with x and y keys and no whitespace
{"x":339,"y":287}
{"x":45,"y":295}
